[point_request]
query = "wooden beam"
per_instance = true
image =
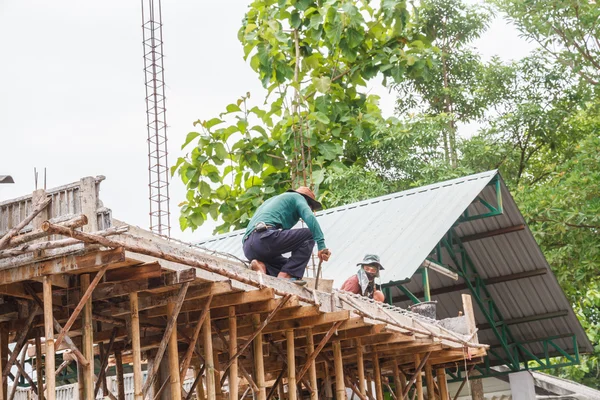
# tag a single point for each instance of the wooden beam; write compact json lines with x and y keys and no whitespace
{"x":282,"y":326}
{"x":340,"y":386}
{"x":173,"y":352}
{"x":120,"y":379}
{"x":144,"y":271}
{"x":49,"y":336}
{"x":87,"y":340}
{"x":76,"y":222}
{"x":84,"y":301}
{"x":171,"y":325}
{"x":135,"y":345}
{"x":377,"y":376}
{"x":312,"y":367}
{"x":495,"y":232}
{"x":259,"y":370}
{"x":233,"y":369}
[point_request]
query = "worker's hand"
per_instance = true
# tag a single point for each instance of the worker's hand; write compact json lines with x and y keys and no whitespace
{"x":324,"y":255}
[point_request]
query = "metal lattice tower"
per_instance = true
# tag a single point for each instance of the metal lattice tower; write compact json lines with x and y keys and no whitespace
{"x":158,"y":168}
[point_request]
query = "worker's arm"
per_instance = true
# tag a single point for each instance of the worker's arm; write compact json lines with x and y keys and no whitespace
{"x":351,"y":285}
{"x":311,"y":222}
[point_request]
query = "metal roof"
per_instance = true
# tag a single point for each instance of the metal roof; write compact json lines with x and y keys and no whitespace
{"x":404,"y":228}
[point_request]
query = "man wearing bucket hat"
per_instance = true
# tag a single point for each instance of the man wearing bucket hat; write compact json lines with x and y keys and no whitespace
{"x":363,"y":282}
{"x":269,"y":235}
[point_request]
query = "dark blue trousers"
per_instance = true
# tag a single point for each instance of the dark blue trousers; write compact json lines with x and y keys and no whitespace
{"x":268,"y":247}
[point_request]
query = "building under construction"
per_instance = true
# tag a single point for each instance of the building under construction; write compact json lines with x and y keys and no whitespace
{"x":85,"y":297}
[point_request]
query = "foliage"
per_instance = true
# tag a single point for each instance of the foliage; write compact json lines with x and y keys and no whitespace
{"x":569,"y":30}
{"x":315,"y":59}
{"x":454,"y":89}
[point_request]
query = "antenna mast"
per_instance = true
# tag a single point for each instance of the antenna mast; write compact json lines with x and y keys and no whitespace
{"x":158,"y":167}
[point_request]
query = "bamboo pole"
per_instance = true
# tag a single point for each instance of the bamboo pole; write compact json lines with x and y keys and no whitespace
{"x":187,"y":358}
{"x":104,"y":363}
{"x":312,"y":368}
{"x":208,"y":360}
{"x":338,"y":363}
{"x":369,"y":386}
{"x":399,"y":380}
{"x":5,"y":356}
{"x":419,"y":380}
{"x":171,"y":327}
{"x":39,"y":233}
{"x":242,"y":369}
{"x":49,"y":335}
{"x":377,"y":376}
{"x":38,"y":208}
{"x":417,"y":375}
{"x":135,"y":345}
{"x":233,"y":370}
{"x":360,"y":366}
{"x":259,"y":368}
{"x":429,"y":381}
{"x":218,"y":386}
{"x":87,"y":340}
{"x":20,"y":341}
{"x":442,"y":383}
{"x":38,"y":364}
{"x":120,"y":378}
{"x":199,"y":384}
{"x":291,"y":364}
{"x":173,"y":355}
{"x":85,"y":301}
{"x":313,"y":356}
{"x":18,"y":376}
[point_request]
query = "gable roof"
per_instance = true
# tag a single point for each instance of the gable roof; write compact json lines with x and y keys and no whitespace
{"x":404,"y":228}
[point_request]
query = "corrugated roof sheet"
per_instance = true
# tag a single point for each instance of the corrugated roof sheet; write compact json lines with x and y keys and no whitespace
{"x":403,"y":228}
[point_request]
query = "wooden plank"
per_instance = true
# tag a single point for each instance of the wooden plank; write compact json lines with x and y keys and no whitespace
{"x":49,"y":336}
{"x":66,"y":264}
{"x":144,"y":271}
{"x":224,"y":300}
{"x":135,"y":345}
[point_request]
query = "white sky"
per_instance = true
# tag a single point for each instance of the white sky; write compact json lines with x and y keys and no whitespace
{"x":72,"y":90}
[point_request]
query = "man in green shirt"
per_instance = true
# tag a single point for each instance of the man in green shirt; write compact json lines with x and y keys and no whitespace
{"x":269,"y":235}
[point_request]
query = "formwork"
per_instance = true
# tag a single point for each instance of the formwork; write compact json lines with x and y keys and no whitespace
{"x":85,"y":296}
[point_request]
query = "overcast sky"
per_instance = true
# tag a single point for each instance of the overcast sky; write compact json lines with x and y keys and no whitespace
{"x":72,"y":91}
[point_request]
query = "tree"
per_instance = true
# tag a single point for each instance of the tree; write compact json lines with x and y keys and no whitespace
{"x":451,"y":92}
{"x":315,"y":58}
{"x":569,"y":30}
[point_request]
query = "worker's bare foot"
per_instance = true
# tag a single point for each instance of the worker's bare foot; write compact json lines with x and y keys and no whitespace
{"x":297,"y":281}
{"x":258,"y":266}
{"x":284,"y":275}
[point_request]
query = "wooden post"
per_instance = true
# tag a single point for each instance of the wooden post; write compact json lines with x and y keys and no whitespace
{"x":419,"y":380}
{"x":442,"y":383}
{"x":360,"y":366}
{"x":259,"y":368}
{"x":291,"y":364}
{"x":120,"y":380}
{"x":233,"y":369}
{"x":338,"y":364}
{"x":218,"y":387}
{"x":89,"y":203}
{"x":208,"y":359}
{"x":38,"y":364}
{"x":87,"y":341}
{"x":312,"y":369}
{"x":199,"y":385}
{"x":377,"y":373}
{"x":173,"y":358}
{"x":49,"y":335}
{"x":135,"y":346}
{"x":4,"y":359}
{"x":429,"y":380}
{"x":369,"y":385}
{"x":399,"y":380}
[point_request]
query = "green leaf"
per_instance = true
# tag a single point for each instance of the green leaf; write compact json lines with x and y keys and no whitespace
{"x":205,"y":189}
{"x":321,"y":117}
{"x":253,"y":181}
{"x":233,"y":108}
{"x":212,"y":122}
{"x":322,"y":84}
{"x":328,"y":150}
{"x":190,"y":136}
{"x":220,"y":151}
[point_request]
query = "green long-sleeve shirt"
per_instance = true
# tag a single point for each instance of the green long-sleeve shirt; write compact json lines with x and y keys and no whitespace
{"x":284,"y":211}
